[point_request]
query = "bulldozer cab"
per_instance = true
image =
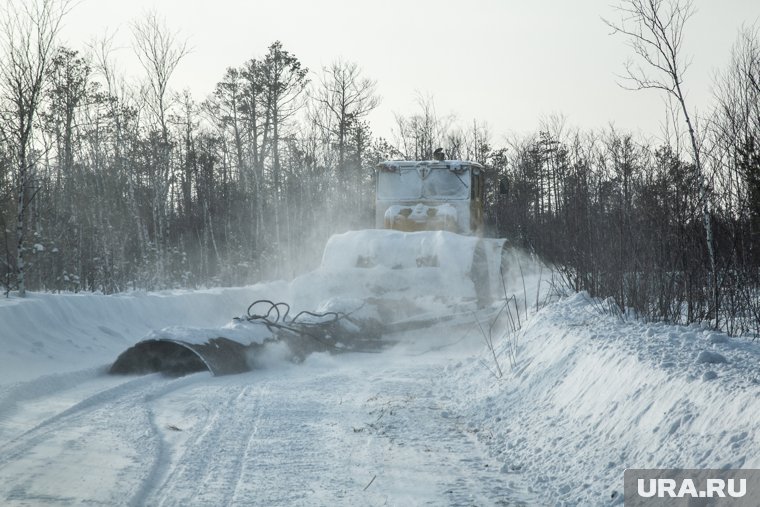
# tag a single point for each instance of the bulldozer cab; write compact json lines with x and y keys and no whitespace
{"x":430,"y":195}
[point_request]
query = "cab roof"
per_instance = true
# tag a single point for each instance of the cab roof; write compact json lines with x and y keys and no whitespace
{"x":453,"y":165}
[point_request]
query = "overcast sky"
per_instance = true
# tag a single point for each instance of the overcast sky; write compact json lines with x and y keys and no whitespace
{"x":506,"y":62}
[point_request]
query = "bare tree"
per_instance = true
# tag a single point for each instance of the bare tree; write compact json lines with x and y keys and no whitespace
{"x":159,"y":52}
{"x":655,"y":31}
{"x":347,"y":98}
{"x":28,"y":34}
{"x":736,"y":137}
{"x":119,"y":93}
{"x":420,"y":134}
{"x":737,"y":120}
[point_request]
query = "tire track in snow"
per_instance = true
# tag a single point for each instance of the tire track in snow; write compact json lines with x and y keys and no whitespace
{"x":305,"y":435}
{"x":19,"y":445}
{"x":14,"y":396}
{"x":99,"y":448}
{"x":293,"y":438}
{"x":210,"y":463}
{"x":272,"y":439}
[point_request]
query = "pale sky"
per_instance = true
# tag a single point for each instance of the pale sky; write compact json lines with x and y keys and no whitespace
{"x":506,"y":62}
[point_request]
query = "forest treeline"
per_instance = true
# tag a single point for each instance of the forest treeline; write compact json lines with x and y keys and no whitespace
{"x":109,"y":185}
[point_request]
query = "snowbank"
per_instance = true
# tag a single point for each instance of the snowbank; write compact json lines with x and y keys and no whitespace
{"x":55,"y":333}
{"x":590,"y":396}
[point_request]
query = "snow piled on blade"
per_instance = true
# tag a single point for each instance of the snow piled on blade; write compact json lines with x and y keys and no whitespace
{"x":411,"y":272}
{"x":391,"y":249}
{"x":591,"y":395}
{"x":239,"y":331}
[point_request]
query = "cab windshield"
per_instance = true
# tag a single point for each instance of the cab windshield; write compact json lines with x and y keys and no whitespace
{"x":414,"y":183}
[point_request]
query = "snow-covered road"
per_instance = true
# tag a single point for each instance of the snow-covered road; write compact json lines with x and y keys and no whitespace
{"x":429,"y":421}
{"x":356,"y":429}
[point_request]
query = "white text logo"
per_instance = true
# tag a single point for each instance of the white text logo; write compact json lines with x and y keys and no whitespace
{"x":714,"y":488}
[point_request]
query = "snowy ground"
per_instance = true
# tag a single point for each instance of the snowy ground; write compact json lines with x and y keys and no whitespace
{"x":354,"y":429}
{"x":591,"y":395}
{"x":425,"y":423}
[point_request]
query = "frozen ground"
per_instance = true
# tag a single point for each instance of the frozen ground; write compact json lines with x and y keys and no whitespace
{"x":428,"y":422}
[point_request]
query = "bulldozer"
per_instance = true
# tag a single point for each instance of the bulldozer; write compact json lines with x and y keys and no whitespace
{"x":428,"y":241}
{"x":426,"y":260}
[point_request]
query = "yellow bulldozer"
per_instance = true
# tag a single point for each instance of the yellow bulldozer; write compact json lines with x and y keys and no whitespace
{"x":429,"y":218}
{"x":425,"y":261}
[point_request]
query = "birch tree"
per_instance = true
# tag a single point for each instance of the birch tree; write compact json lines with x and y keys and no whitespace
{"x":655,"y":32}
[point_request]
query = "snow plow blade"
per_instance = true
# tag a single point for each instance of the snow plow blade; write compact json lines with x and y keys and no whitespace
{"x":238,"y":346}
{"x":432,"y":263}
{"x":220,"y":356}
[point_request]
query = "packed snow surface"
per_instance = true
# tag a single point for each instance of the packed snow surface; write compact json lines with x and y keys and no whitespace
{"x":582,"y":396}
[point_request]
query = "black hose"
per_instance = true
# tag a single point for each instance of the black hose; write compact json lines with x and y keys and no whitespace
{"x":276,"y":317}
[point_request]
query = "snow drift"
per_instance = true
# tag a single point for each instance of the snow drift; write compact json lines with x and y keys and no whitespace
{"x":47,"y":333}
{"x":591,"y":395}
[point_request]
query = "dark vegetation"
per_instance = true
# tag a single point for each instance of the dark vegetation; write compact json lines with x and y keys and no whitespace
{"x":108,"y":185}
